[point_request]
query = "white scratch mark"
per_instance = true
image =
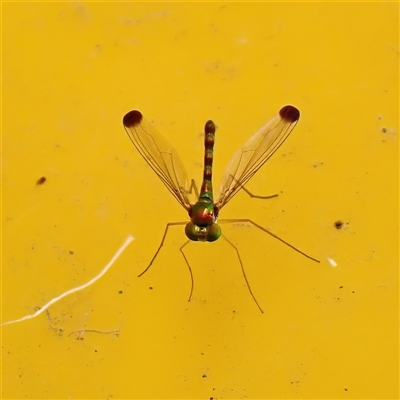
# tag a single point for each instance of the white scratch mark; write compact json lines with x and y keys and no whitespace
{"x":128,"y":240}
{"x":331,"y":262}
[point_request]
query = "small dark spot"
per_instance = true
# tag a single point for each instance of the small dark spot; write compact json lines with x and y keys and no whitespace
{"x":339,"y":224}
{"x":71,"y":252}
{"x":340,"y":287}
{"x":41,"y":180}
{"x":95,"y":351}
{"x":384,"y":130}
{"x":151,"y":287}
{"x":345,"y":389}
{"x":204,"y":376}
{"x":120,"y":292}
{"x":353,"y":291}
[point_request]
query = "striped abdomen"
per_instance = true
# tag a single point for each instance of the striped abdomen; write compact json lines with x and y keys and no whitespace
{"x":209,"y":138}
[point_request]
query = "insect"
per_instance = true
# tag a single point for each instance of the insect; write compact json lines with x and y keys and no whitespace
{"x":203,"y":214}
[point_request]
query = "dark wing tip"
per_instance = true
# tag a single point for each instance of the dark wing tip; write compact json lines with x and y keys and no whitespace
{"x":289,"y":114}
{"x":133,"y":118}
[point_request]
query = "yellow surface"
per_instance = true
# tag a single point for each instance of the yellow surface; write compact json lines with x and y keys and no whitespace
{"x":70,"y":72}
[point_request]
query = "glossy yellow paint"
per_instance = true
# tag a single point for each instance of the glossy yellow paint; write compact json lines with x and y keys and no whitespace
{"x":70,"y":73}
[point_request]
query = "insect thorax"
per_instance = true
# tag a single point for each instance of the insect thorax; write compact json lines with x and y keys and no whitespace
{"x":202,"y":226}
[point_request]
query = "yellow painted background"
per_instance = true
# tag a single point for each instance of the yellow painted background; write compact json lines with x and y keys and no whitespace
{"x":70,"y":72}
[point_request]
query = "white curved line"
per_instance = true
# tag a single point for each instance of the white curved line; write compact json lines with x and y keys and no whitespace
{"x":128,"y":240}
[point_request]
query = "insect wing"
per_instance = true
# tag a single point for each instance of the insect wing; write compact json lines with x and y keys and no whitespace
{"x":256,"y":151}
{"x":159,"y":154}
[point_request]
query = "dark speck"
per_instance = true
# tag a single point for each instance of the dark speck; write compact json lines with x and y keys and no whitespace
{"x":120,"y":292}
{"x":41,"y":180}
{"x":338,"y":224}
{"x":204,"y":376}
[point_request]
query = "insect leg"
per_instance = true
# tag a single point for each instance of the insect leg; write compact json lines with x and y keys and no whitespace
{"x":162,"y":243}
{"x":193,"y":186}
{"x":190,"y":269}
{"x":254,"y":196}
{"x":249,"y":221}
{"x":244,"y":273}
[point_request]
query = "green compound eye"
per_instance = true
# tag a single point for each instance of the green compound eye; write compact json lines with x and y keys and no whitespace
{"x":208,"y":233}
{"x":214,"y":232}
{"x":190,"y":231}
